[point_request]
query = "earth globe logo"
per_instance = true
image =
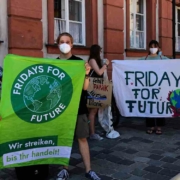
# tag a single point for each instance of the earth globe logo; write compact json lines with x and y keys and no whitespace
{"x":41,"y":93}
{"x":45,"y":88}
{"x":175,"y":100}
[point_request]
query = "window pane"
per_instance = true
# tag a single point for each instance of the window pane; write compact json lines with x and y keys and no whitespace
{"x":139,"y":6}
{"x":178,"y":44}
{"x":131,"y":5}
{"x":132,"y":22}
{"x":75,"y":10}
{"x":140,"y":39}
{"x":178,"y":18}
{"x":59,"y":27}
{"x":76,"y":32}
{"x":139,"y":22}
{"x":59,"y":9}
{"x":131,"y":38}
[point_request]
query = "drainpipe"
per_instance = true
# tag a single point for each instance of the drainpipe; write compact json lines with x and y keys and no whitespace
{"x":174,"y":27}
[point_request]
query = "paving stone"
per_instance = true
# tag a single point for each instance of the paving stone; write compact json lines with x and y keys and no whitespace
{"x":153,"y":169}
{"x":118,"y":148}
{"x":168,"y":159}
{"x":104,"y":177}
{"x":177,"y":162}
{"x":152,"y":176}
{"x":97,"y":149}
{"x":169,"y":154}
{"x":108,"y":164}
{"x":155,"y":157}
{"x":121,"y":175}
{"x":123,"y":155}
{"x":159,"y":152}
{"x":147,"y":141}
{"x":168,"y":172}
{"x":130,"y":151}
{"x":94,"y":153}
{"x":138,"y":165}
{"x":126,"y":162}
{"x":76,"y":156}
{"x":103,"y":170}
{"x":171,"y":167}
{"x":178,"y":157}
{"x":143,"y":154}
{"x":139,"y":172}
{"x":107,"y":151}
{"x":101,"y":156}
{"x":177,"y":143}
{"x":114,"y":159}
{"x":135,"y":178}
{"x":73,"y":161}
{"x":155,"y":163}
{"x":136,"y":138}
{"x":142,"y":159}
{"x":125,"y":140}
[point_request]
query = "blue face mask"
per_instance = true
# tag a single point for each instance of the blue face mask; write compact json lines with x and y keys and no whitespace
{"x":160,"y":53}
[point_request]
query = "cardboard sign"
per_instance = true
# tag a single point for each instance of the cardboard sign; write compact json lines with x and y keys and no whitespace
{"x":99,"y":93}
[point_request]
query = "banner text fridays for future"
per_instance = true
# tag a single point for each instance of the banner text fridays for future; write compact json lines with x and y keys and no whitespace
{"x":40,"y":99}
{"x":147,"y":88}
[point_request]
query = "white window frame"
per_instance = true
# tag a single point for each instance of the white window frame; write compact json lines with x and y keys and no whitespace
{"x":134,"y":24}
{"x":177,"y":8}
{"x":68,"y":21}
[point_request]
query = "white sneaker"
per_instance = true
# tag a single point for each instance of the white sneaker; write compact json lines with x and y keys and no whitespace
{"x":96,"y":137}
{"x":63,"y":175}
{"x":113,"y":134}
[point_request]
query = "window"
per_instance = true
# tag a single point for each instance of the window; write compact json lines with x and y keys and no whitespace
{"x":138,"y":24}
{"x":177,"y":29}
{"x":69,"y":16}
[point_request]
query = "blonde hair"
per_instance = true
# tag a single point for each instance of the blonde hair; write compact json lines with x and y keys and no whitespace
{"x":64,"y":34}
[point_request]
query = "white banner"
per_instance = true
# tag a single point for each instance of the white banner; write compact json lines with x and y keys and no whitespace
{"x":147,"y":88}
{"x":36,"y":153}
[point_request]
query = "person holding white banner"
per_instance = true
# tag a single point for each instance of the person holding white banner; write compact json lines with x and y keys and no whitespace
{"x":154,"y":124}
{"x":98,"y":70}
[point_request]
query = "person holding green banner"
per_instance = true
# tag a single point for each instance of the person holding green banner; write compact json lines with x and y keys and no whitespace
{"x":65,"y":43}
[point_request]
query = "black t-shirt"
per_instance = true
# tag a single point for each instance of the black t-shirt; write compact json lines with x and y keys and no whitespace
{"x":82,"y":105}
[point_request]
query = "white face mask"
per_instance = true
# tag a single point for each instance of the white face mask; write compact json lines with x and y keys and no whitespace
{"x":64,"y":48}
{"x":153,"y":50}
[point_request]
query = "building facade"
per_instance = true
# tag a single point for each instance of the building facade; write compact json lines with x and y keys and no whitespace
{"x":123,"y":28}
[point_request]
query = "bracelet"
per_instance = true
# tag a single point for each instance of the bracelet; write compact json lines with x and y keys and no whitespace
{"x":87,"y":76}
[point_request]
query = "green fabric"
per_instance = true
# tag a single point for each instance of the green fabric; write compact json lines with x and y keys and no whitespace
{"x":154,"y":58}
{"x":39,"y":106}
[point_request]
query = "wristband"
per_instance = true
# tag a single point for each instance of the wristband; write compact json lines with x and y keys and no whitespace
{"x":87,"y":76}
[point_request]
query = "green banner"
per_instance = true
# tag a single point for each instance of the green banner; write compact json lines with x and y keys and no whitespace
{"x":39,"y":105}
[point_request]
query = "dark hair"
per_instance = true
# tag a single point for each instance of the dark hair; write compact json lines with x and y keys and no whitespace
{"x":95,"y":54}
{"x":64,"y":34}
{"x":156,"y":44}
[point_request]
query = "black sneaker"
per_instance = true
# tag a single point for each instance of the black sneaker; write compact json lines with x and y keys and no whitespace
{"x":63,"y":175}
{"x":92,"y":175}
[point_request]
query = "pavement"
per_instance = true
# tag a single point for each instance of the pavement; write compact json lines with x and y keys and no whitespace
{"x":134,"y":156}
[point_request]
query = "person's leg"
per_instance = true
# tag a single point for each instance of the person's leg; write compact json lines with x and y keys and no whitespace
{"x":150,"y":124}
{"x":82,"y":132}
{"x":91,"y":117}
{"x":84,"y":150}
{"x":160,"y":122}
